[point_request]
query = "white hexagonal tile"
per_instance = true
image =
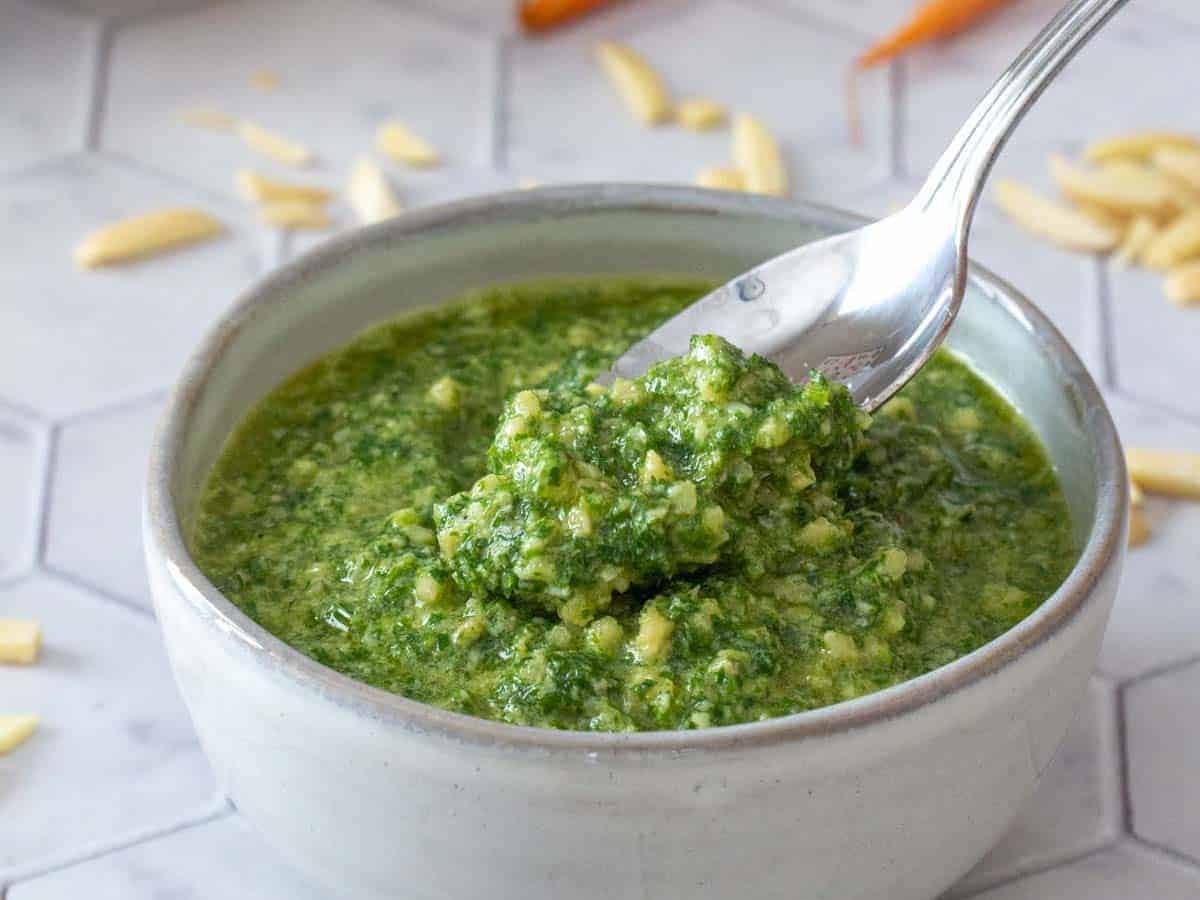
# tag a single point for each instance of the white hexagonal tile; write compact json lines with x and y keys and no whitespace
{"x":1163,"y":746}
{"x":120,"y":9}
{"x":774,"y":66}
{"x":23,"y":447}
{"x":873,"y":18}
{"x":1155,"y":341}
{"x":1127,"y":77}
{"x":341,"y":73}
{"x":491,"y":16}
{"x":93,"y":529}
{"x":224,"y":859}
{"x":45,"y":67}
{"x":1156,"y":619}
{"x":77,"y":339}
{"x":1118,"y":874}
{"x":1076,"y":806}
{"x":115,"y":752}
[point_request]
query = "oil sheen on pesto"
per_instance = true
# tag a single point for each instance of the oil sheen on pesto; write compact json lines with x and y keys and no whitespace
{"x":450,"y":509}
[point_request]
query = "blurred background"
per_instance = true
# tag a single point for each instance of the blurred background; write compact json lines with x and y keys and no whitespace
{"x":115,"y":109}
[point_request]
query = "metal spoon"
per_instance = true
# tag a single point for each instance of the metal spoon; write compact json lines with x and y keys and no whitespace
{"x":869,"y":307}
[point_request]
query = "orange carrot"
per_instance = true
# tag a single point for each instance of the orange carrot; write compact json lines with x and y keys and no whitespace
{"x":933,"y":19}
{"x":540,"y":15}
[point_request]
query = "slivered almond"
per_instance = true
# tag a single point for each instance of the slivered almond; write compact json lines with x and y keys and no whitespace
{"x":1126,"y":191}
{"x":370,"y":194}
{"x":721,"y":179}
{"x":756,"y":154}
{"x":526,"y":183}
{"x":395,"y":139}
{"x":145,"y":235}
{"x":1178,"y":243}
{"x":700,"y":114}
{"x":15,"y":730}
{"x":1054,"y":221}
{"x":1136,"y":495}
{"x":1141,"y":231}
{"x":639,"y":85}
{"x":1103,"y":216}
{"x":273,"y":145}
{"x":207,"y":118}
{"x":265,"y":80}
{"x":19,"y":641}
{"x":1175,"y":473}
{"x":1180,"y":163}
{"x":261,"y":189}
{"x":1138,"y":146}
{"x":1183,"y":284}
{"x":296,"y":216}
{"x":1139,"y":526}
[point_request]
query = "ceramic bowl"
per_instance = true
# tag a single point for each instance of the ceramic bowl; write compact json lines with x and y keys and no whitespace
{"x":893,"y":795}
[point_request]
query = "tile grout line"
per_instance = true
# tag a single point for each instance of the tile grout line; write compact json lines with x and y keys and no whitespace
{"x":497,"y":136}
{"x":101,"y":54}
{"x":1031,"y":871}
{"x":99,"y":849}
{"x":1157,"y":672}
{"x":1102,"y":296}
{"x":99,"y":593}
{"x":154,"y":395}
{"x":1126,"y":794}
{"x":44,"y":489}
{"x":1170,"y":853}
{"x":1153,"y":403}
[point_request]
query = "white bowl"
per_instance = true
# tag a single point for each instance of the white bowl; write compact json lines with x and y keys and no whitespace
{"x":893,"y":795}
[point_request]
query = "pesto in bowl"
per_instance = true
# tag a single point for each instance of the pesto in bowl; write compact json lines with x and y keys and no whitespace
{"x":447,"y":508}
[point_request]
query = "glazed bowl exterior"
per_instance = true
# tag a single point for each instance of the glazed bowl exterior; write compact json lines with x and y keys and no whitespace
{"x":894,"y":795}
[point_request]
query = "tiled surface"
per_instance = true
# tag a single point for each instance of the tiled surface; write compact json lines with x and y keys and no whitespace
{"x":1077,"y":804}
{"x":1156,"y":619}
{"x":23,"y":442}
{"x":116,"y":799}
{"x":1164,"y":791}
{"x":94,"y":531}
{"x":76,"y":340}
{"x":225,"y":856}
{"x":45,"y":67}
{"x":1122,"y":873}
{"x":363,"y":61}
{"x":115,"y":753}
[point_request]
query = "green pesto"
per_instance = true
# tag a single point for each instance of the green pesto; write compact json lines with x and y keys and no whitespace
{"x":447,"y":508}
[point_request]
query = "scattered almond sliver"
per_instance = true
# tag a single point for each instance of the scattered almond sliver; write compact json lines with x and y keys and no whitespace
{"x":19,"y":641}
{"x":207,"y":118}
{"x":274,"y":146}
{"x":296,"y":215}
{"x":1138,"y":147}
{"x":265,"y":80}
{"x":526,"y":183}
{"x":1057,"y":223}
{"x":721,"y":179}
{"x":1183,"y":284}
{"x":1172,"y":472}
{"x":1177,"y":243}
{"x":1141,"y":231}
{"x":394,"y":139}
{"x":1126,"y":191}
{"x":146,"y":235}
{"x":370,"y":194}
{"x":639,"y":85}
{"x":756,"y":154}
{"x":1139,"y":527}
{"x":700,"y":114}
{"x":15,"y":730}
{"x":1180,"y":163}
{"x":260,"y":189}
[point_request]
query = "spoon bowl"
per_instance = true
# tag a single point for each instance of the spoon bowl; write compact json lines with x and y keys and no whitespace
{"x":868,"y":308}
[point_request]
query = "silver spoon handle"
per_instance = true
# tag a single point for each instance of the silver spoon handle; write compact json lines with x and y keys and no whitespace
{"x":957,"y":178}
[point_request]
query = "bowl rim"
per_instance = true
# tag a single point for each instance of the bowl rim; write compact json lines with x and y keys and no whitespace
{"x":166,"y":546}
